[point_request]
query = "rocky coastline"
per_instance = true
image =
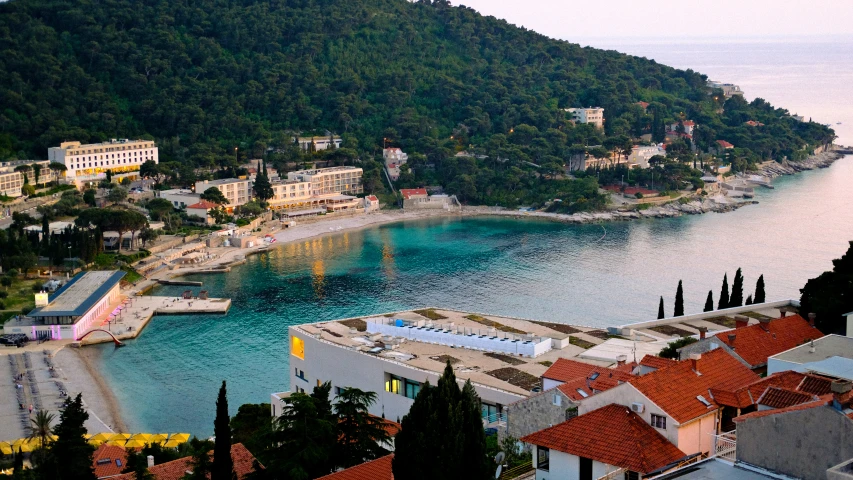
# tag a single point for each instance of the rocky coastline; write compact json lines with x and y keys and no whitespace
{"x":819,"y":160}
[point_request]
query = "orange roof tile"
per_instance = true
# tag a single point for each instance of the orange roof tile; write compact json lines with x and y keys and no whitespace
{"x":775,"y":397}
{"x":203,"y":204}
{"x":588,"y":378}
{"x":613,"y":435}
{"x":675,"y":388}
{"x":574,"y":388}
{"x":379,"y":469}
{"x":816,"y":385}
{"x":176,"y":469}
{"x":564,"y":370}
{"x":109,"y":460}
{"x":757,"y":342}
{"x":653,"y":361}
{"x":749,"y":394}
{"x":408,"y":193}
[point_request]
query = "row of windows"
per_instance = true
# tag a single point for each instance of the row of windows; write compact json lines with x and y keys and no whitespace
{"x":77,"y":166}
{"x":111,"y":149}
{"x":402,"y":386}
{"x":145,"y":154}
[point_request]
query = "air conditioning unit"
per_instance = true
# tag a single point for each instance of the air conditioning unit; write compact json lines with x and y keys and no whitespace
{"x":637,"y":407}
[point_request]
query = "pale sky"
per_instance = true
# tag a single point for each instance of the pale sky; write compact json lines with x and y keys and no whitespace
{"x":575,"y":20}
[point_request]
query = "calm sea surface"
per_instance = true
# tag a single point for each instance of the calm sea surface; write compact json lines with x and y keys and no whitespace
{"x":591,"y":275}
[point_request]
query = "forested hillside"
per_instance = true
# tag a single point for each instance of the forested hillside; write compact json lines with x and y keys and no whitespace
{"x":205,"y":76}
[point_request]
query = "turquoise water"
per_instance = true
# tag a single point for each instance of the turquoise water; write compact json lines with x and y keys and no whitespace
{"x":596,"y":275}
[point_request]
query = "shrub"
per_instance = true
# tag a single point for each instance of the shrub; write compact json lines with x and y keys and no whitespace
{"x":638,"y":195}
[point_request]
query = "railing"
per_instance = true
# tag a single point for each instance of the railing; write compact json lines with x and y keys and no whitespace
{"x":517,"y":471}
{"x":494,"y":420}
{"x":725,"y":446}
{"x":612,"y":475}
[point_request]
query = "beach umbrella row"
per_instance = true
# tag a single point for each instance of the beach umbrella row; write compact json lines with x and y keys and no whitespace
{"x":22,"y":445}
{"x":125,"y":440}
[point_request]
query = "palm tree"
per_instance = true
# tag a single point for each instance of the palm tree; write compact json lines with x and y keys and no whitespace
{"x":41,"y":426}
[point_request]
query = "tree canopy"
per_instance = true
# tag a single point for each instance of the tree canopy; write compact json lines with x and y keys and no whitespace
{"x":830,"y":295}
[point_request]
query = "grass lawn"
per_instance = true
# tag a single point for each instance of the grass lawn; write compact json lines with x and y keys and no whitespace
{"x":20,"y":295}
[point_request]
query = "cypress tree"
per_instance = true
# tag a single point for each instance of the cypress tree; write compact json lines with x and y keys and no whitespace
{"x":223,"y":465}
{"x":709,"y":302}
{"x":660,"y":309}
{"x":679,"y":301}
{"x":724,"y":294}
{"x":749,"y":300}
{"x":736,"y":299}
{"x":70,"y":456}
{"x":759,"y":290}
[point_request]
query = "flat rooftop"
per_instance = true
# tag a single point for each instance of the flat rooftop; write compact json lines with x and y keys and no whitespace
{"x":498,"y":369}
{"x":713,"y":469}
{"x":222,"y":181}
{"x":825,"y":347}
{"x":79,"y":294}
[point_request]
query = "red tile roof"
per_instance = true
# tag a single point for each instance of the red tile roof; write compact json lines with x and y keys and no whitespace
{"x":757,"y":342}
{"x":725,"y":144}
{"x":109,"y":468}
{"x":775,"y":397}
{"x":203,"y":204}
{"x":689,"y":123}
{"x":675,"y":388}
{"x":176,"y":469}
{"x":372,"y":198}
{"x":643,"y":104}
{"x":579,"y":376}
{"x":748,"y":395}
{"x":408,"y":193}
{"x":564,"y":370}
{"x":613,"y":435}
{"x":379,"y":469}
{"x":653,"y":361}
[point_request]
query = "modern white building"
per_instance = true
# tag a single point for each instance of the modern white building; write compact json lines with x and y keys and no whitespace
{"x":593,"y":115}
{"x":238,"y":191}
{"x":830,"y":356}
{"x":641,"y":154}
{"x":180,"y":198}
{"x":393,"y":158}
{"x":330,"y":181}
{"x":729,"y":89}
{"x":316,"y":144}
{"x":296,"y":197}
{"x":89,"y":163}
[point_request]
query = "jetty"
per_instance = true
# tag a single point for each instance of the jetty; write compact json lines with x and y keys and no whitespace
{"x":189,"y":283}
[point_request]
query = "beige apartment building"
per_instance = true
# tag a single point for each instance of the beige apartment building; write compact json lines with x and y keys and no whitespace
{"x":593,"y":115}
{"x":332,"y":180}
{"x":89,"y":163}
{"x":12,"y":181}
{"x":238,"y":191}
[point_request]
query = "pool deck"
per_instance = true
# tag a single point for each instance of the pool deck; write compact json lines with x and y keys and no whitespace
{"x":137,"y":311}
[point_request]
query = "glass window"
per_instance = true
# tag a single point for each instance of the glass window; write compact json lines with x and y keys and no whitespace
{"x":488,"y":411}
{"x":658,"y":421}
{"x":542,"y":458}
{"x":412,"y":389}
{"x":393,"y":384}
{"x":297,"y":347}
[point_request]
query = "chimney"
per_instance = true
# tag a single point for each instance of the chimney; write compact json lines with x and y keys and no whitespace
{"x":621,"y":359}
{"x":741,"y":321}
{"x":812,"y":316}
{"x":841,"y":386}
{"x":150,"y":461}
{"x":702,"y":332}
{"x":694,"y":359}
{"x":765,"y":321}
{"x":783,"y":313}
{"x":732,"y":337}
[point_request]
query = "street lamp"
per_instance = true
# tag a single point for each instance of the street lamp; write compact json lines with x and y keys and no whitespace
{"x":236,"y":157}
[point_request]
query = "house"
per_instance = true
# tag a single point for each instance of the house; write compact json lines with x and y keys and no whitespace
{"x":643,"y":105}
{"x":723,"y":145}
{"x":753,"y":123}
{"x":179,"y":197}
{"x":243,"y":460}
{"x":379,"y":469}
{"x":412,"y":193}
{"x":593,"y":115}
{"x":202,"y":210}
{"x":371,"y":203}
{"x":799,"y":441}
{"x":729,"y":89}
{"x":641,"y":154}
{"x":317,"y":144}
{"x":675,"y":399}
{"x":830,"y":355}
{"x":609,"y":440}
{"x":238,"y":191}
{"x":652,"y":363}
{"x":688,"y":126}
{"x":89,"y":163}
{"x":752,"y":345}
{"x":109,"y":461}
{"x":394,"y":155}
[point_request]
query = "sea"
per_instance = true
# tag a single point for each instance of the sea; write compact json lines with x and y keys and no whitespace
{"x":596,"y":275}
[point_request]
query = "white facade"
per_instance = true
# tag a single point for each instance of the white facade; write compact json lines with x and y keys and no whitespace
{"x":565,"y":466}
{"x":11,"y":181}
{"x":330,"y":181}
{"x":593,"y":115}
{"x":238,"y":191}
{"x":314,"y":361}
{"x":729,"y":89}
{"x":87,"y":163}
{"x":317,"y":144}
{"x":641,"y":154}
{"x":180,"y":198}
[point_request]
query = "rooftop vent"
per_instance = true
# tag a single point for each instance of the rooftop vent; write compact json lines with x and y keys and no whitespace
{"x":841,"y":386}
{"x":703,"y":400}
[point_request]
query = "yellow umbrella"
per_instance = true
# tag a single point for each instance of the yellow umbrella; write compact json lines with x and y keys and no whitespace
{"x":100,"y":437}
{"x":145,"y":437}
{"x":5,"y":448}
{"x":135,"y":443}
{"x":180,"y":437}
{"x":95,"y":442}
{"x":119,"y":437}
{"x":158,"y":438}
{"x":21,"y":445}
{"x":115,"y":443}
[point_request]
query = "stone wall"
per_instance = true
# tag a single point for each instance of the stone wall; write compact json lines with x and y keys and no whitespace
{"x":537,"y":412}
{"x":799,"y":444}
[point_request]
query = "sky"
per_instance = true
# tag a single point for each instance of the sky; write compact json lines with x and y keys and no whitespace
{"x":578,"y":20}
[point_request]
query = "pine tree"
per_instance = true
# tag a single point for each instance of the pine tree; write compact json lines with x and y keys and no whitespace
{"x":709,"y":302}
{"x":749,"y":300}
{"x":304,"y":437}
{"x":736,"y":299}
{"x":360,"y":434}
{"x":759,"y":290}
{"x":262,"y":186}
{"x":661,"y":313}
{"x":223,"y":464}
{"x":724,"y":294}
{"x":679,"y":301}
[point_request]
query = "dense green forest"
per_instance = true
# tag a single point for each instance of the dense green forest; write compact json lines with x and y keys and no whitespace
{"x":206,"y":76}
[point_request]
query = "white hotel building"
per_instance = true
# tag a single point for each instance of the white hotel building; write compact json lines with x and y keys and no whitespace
{"x":89,"y":163}
{"x":593,"y":115}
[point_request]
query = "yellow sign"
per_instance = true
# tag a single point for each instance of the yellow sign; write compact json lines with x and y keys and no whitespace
{"x":41,"y":299}
{"x":297,"y":347}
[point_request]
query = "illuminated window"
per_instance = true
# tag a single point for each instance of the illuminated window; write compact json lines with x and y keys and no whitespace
{"x":393,"y":384}
{"x":297,"y":347}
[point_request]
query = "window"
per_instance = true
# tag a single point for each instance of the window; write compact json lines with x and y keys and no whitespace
{"x":558,"y":400}
{"x":542,"y":458}
{"x":297,"y":347}
{"x":629,"y":475}
{"x":339,"y":390}
{"x":489,"y":411}
{"x":299,"y":373}
{"x":658,"y":421}
{"x":412,"y":389}
{"x":393,"y":384}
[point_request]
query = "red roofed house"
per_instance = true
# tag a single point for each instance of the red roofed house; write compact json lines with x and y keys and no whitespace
{"x":202,"y":209}
{"x":371,"y":203}
{"x":800,"y":441}
{"x":600,"y":442}
{"x":379,"y":469}
{"x":109,"y":461}
{"x":176,"y":469}
{"x":410,"y":193}
{"x":676,"y":399}
{"x":753,"y":344}
{"x":645,"y":105}
{"x":724,"y":145}
{"x":651,"y":363}
{"x":689,"y":125}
